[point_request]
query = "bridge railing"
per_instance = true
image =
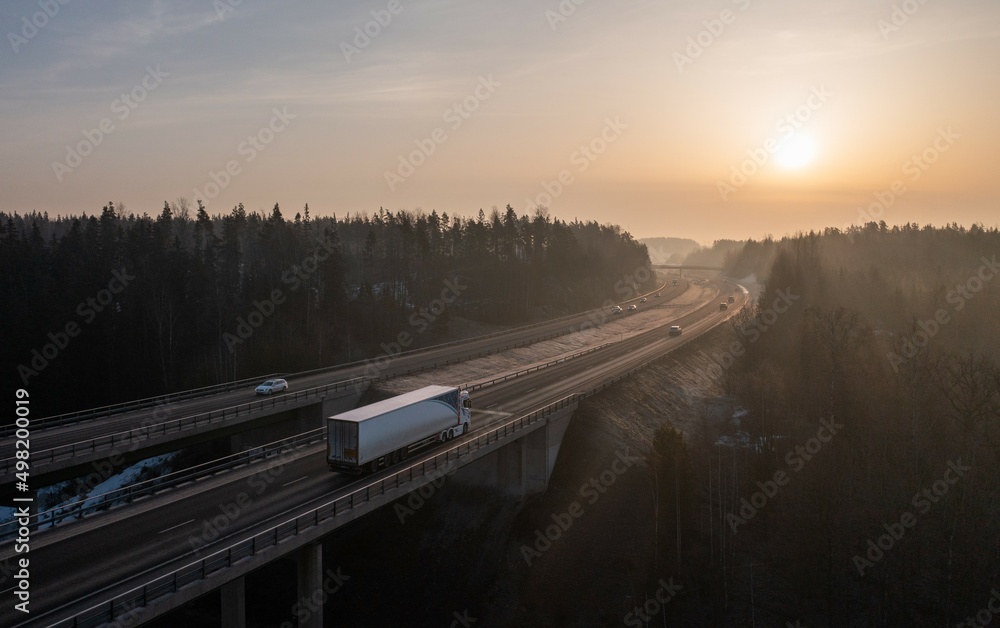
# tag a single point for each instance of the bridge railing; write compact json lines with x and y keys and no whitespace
{"x":130,"y":406}
{"x":127,"y":494}
{"x":126,"y":603}
{"x":129,"y":440}
{"x":138,"y":597}
{"x":125,"y":439}
{"x":138,"y":404}
{"x":91,"y":504}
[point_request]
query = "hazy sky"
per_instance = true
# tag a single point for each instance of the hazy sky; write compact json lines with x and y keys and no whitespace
{"x":704,"y":120}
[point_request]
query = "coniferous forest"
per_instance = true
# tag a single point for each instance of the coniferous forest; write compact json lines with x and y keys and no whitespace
{"x":860,"y":486}
{"x":117,"y":305}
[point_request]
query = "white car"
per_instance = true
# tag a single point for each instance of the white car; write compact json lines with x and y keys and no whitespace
{"x":632,"y":308}
{"x":616,"y":309}
{"x":642,"y":300}
{"x":675,"y":330}
{"x":272,"y":386}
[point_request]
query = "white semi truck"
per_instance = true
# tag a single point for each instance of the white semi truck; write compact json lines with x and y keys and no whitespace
{"x":383,"y":433}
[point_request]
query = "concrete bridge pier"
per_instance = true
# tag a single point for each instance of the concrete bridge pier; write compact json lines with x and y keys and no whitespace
{"x":524,"y":466}
{"x":234,"y":604}
{"x":311,"y":593}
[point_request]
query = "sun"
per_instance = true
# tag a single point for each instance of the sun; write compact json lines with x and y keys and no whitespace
{"x":796,"y":152}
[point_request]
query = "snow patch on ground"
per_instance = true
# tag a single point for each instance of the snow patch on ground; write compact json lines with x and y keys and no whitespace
{"x":101,"y":495}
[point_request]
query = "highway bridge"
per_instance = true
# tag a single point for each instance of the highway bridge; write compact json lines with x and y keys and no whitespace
{"x":136,"y":430}
{"x":136,"y":562}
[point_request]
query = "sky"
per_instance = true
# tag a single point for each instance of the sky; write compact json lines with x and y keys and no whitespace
{"x":720,"y":119}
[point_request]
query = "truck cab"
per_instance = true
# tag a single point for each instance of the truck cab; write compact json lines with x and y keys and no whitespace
{"x":465,"y":411}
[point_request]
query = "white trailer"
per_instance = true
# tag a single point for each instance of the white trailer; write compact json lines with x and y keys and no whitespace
{"x":383,"y":433}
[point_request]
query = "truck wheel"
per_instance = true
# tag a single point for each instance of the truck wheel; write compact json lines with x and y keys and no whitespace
{"x":444,"y":437}
{"x":373,"y":466}
{"x":465,"y":428}
{"x":403,"y":453}
{"x":394,"y":457}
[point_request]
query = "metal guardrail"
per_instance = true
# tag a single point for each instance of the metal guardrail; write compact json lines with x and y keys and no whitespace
{"x":122,"y":440}
{"x":128,"y":406}
{"x":537,"y":367}
{"x":128,"y":494}
{"x":170,"y":583}
{"x":141,"y":596}
{"x":132,"y":492}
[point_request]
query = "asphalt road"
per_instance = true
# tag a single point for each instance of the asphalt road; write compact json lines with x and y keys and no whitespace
{"x":115,"y":551}
{"x":48,"y":438}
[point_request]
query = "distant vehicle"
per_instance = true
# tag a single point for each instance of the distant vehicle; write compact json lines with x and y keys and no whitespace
{"x":673,"y":283}
{"x":632,"y":308}
{"x":723,"y":306}
{"x":384,"y":432}
{"x":657,"y":295}
{"x":272,"y":386}
{"x":732,"y":299}
{"x":616,"y":309}
{"x":642,"y":300}
{"x":675,"y":330}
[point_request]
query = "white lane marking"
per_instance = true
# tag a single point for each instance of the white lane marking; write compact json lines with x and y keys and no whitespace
{"x":176,"y":526}
{"x":493,"y":406}
{"x":294,"y":481}
{"x":493,"y":413}
{"x":533,"y":389}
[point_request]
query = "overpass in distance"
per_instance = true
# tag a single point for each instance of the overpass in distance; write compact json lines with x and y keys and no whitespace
{"x":683,"y":267}
{"x":135,"y":563}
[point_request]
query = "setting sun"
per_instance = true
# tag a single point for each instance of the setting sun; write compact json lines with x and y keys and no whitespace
{"x":796,"y":152}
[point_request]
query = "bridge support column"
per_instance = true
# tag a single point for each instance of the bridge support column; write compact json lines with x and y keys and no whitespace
{"x":234,"y":604}
{"x":536,"y":448}
{"x":524,"y":466}
{"x":311,"y":594}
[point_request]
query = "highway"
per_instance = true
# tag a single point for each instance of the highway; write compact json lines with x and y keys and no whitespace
{"x":102,"y":427}
{"x":115,"y":551}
